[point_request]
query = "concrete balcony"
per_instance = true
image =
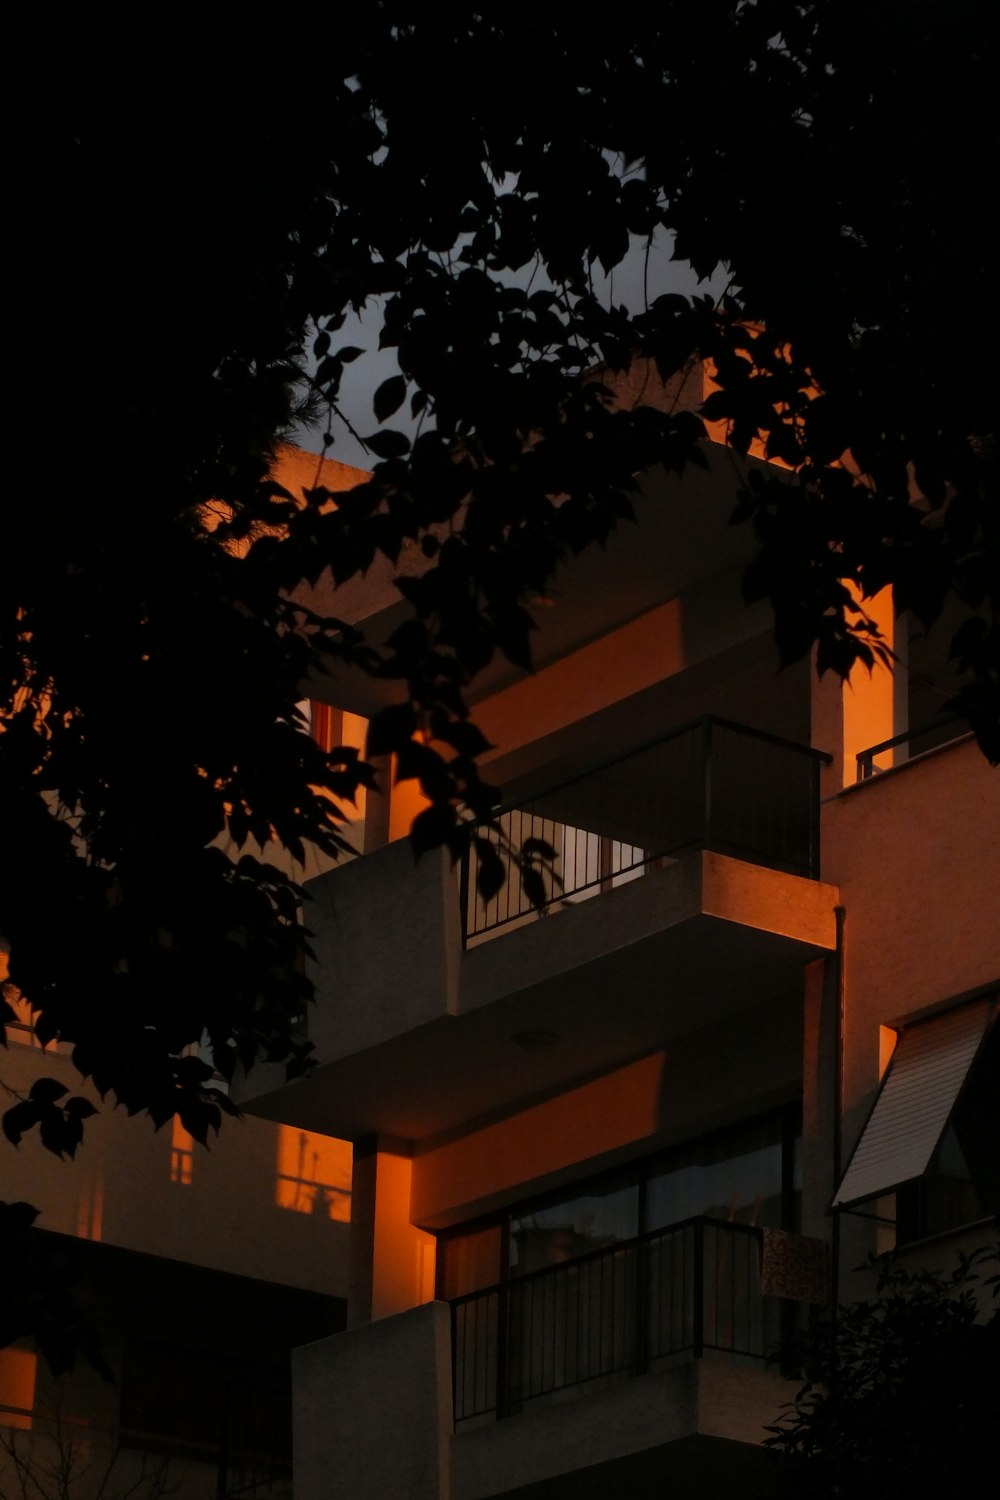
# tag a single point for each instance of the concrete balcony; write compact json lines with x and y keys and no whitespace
{"x":421,"y":1027}
{"x":628,"y":1372}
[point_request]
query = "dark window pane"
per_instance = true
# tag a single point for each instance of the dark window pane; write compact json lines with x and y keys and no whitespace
{"x":562,"y":1231}
{"x":735,"y":1175}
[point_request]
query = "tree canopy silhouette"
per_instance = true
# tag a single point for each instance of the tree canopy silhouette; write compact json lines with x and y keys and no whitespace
{"x":205,"y":206}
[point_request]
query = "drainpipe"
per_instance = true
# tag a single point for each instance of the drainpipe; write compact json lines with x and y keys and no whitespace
{"x":840,"y":913}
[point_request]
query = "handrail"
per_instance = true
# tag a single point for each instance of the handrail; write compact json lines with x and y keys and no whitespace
{"x":694,"y":1222}
{"x":547,"y":789}
{"x":865,"y":758}
{"x":608,"y":1314}
{"x":710,"y":783}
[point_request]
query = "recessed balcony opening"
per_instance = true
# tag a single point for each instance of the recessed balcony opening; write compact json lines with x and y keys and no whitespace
{"x":711,"y":784}
{"x":604,"y":1317}
{"x":628,"y":1273}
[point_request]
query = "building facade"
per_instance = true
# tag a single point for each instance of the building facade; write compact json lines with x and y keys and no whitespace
{"x":614,"y":1139}
{"x":608,"y":1142}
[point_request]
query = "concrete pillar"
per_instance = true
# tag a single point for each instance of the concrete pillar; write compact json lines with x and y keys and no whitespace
{"x":377,"y":805}
{"x":392,"y":1261}
{"x":372,"y":1410}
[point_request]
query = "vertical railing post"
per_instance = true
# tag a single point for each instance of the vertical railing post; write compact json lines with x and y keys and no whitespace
{"x":503,"y":1360}
{"x":463,"y":889}
{"x":454,"y":1364}
{"x":641,"y":1311}
{"x":706,"y":752}
{"x":698,"y":1315}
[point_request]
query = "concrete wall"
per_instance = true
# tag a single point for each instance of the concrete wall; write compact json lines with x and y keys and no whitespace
{"x":258,"y":1203}
{"x":390,"y":1438}
{"x":916,"y":854}
{"x":655,"y":1420}
{"x":394,"y":921}
{"x":705,"y":1080}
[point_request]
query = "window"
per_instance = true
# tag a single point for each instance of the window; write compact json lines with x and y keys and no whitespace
{"x":181,"y":1154}
{"x":595,"y":1283}
{"x":746,"y":1174}
{"x":933,"y":1136}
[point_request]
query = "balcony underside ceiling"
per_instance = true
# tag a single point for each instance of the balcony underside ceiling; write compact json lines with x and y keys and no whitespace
{"x":576,"y":994}
{"x":698,"y":1467}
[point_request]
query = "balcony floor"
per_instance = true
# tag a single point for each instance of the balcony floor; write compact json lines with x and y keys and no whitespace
{"x":575,"y":994}
{"x":693,"y":1430}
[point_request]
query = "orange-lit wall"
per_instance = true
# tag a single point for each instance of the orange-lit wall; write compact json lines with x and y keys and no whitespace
{"x":919,"y":871}
{"x":229,"y":1207}
{"x":920,"y":885}
{"x":867,"y":709}
{"x":18,"y":1369}
{"x":392,"y":1260}
{"x":705,"y":1080}
{"x":605,"y":671}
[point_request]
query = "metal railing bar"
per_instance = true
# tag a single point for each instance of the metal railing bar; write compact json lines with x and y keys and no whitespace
{"x":718,"y":787}
{"x":865,"y":758}
{"x":604,"y":1314}
{"x":750,"y":1231}
{"x":528,"y":795}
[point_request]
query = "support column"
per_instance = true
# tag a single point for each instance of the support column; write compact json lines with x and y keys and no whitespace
{"x":391,"y":1260}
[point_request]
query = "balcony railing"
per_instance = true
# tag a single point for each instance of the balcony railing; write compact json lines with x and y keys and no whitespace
{"x":711,"y":784}
{"x":919,"y":739}
{"x":615,"y":1312}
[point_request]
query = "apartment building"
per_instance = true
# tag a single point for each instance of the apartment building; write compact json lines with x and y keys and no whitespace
{"x":608,"y":1149}
{"x":605,"y":1150}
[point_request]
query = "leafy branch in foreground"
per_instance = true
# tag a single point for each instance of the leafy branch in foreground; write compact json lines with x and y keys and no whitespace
{"x":901,"y":1391}
{"x":465,"y":182}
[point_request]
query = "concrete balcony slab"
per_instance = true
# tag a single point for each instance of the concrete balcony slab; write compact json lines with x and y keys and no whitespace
{"x":417,"y":1038}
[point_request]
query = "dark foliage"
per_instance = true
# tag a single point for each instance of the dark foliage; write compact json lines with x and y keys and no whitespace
{"x":901,"y":1392}
{"x":201,"y":209}
{"x":38,"y":1301}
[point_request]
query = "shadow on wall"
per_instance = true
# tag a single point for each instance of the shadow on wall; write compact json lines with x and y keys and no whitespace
{"x":264,"y":1200}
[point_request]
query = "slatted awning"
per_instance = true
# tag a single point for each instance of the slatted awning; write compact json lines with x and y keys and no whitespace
{"x":915,"y":1102}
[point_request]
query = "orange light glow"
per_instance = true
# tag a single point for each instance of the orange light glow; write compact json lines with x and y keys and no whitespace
{"x":90,"y":1209}
{"x":18,"y":1368}
{"x":887,"y":1039}
{"x":181,"y":1155}
{"x":869,"y":697}
{"x":314,"y":1174}
{"x":404,"y":1255}
{"x":406,"y":801}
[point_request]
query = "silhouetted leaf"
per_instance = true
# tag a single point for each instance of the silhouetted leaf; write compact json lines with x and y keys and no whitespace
{"x":388,"y":443}
{"x":490,"y":870}
{"x":47,"y":1090}
{"x":538,"y":848}
{"x":389,"y":397}
{"x":534,"y":886}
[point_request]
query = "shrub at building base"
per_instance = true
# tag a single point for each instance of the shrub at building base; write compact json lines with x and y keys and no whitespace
{"x":901,"y":1392}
